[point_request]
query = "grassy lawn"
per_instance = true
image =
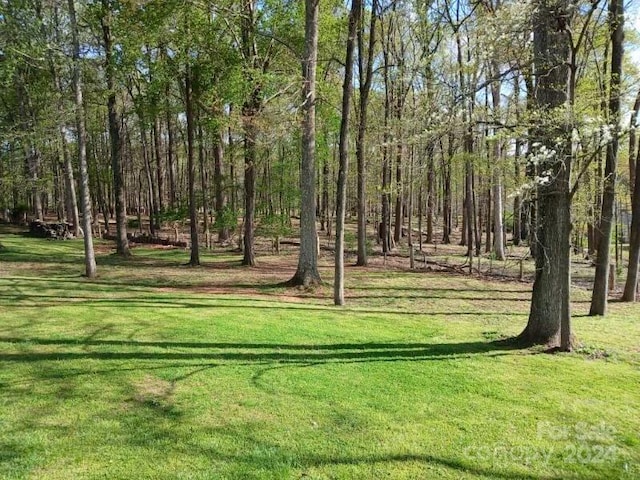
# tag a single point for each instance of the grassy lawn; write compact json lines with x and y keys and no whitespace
{"x":156,"y":370}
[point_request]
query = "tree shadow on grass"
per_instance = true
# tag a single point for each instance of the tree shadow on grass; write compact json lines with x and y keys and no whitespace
{"x":134,"y":284}
{"x":265,"y":454}
{"x":460,"y":466}
{"x":439,"y":289}
{"x":227,"y":302}
{"x":260,"y":352}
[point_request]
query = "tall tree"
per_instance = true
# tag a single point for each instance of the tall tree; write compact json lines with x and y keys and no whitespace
{"x":365,"y":78}
{"x":106,"y":17}
{"x":250,"y":109}
{"x":601,"y":281}
{"x":631,"y":284}
{"x":81,"y":132}
{"x":550,"y":297}
{"x":191,"y":165}
{"x":307,"y":271}
{"x":341,"y":194}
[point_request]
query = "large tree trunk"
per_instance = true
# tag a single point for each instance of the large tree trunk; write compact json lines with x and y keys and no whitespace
{"x":307,"y":271}
{"x":85,"y":196}
{"x":341,"y":197}
{"x":550,"y":297}
{"x":601,"y":281}
{"x":122,"y":243}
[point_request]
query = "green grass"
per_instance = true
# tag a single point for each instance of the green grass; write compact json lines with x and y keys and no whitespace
{"x":156,"y":370}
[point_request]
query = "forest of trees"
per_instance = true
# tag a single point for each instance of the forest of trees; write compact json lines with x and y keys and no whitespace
{"x":489,"y":123}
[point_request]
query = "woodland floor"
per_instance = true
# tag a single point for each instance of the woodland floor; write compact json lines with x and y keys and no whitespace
{"x":157,"y":370}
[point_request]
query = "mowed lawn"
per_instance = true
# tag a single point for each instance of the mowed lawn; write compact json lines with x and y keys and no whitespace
{"x":160,"y":371}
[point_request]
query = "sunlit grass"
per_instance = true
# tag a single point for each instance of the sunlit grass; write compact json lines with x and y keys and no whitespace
{"x":157,"y":370}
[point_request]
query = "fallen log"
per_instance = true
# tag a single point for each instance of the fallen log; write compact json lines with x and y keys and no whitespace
{"x":52,"y":231}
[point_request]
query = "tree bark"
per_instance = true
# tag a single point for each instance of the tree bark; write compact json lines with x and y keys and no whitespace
{"x":365,"y":71}
{"x":446,"y":191}
{"x":122,"y":243}
{"x":250,"y":110}
{"x":159,"y":171}
{"x":601,"y":280}
{"x":204,"y":185}
{"x":550,"y":297}
{"x":633,"y":153}
{"x":631,"y":284}
{"x":341,"y":196}
{"x":171,"y":166}
{"x":431,"y":180}
{"x":385,"y":224}
{"x":194,"y":259}
{"x":218,"y":181}
{"x":81,"y":130}
{"x":307,"y":272}
{"x":498,"y":223}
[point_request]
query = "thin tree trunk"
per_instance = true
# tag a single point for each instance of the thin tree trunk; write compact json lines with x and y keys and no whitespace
{"x":71,"y":202}
{"x":171,"y":166}
{"x":631,"y":284}
{"x":341,"y":197}
{"x":149,"y":178}
{"x":194,"y":259}
{"x":601,"y":280}
{"x":498,"y":224}
{"x":324,"y":208}
{"x":633,"y":153}
{"x":122,"y":243}
{"x":517,"y":201}
{"x":447,"y":192}
{"x":399,"y":211}
{"x":364,"y":72}
{"x":385,"y":223}
{"x":205,"y":188}
{"x":159,"y":172}
{"x":218,"y":180}
{"x":412,"y":263}
{"x":431,"y":180}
